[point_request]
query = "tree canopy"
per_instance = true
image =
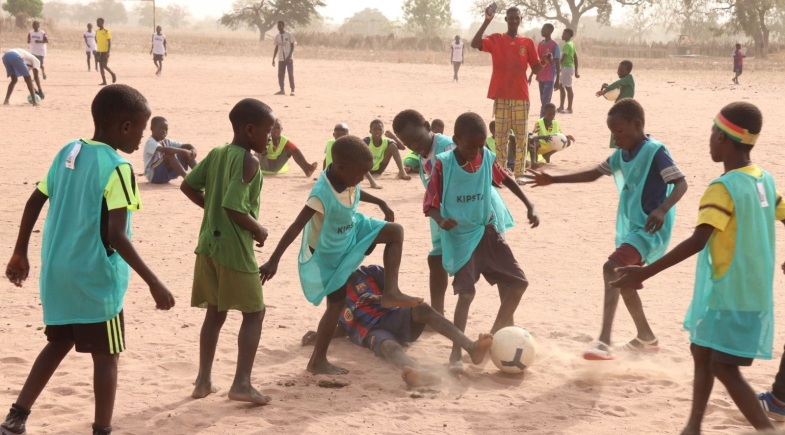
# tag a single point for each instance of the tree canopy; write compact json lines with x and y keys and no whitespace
{"x":367,"y":22}
{"x":23,"y":9}
{"x":265,"y":14}
{"x":566,"y":12}
{"x":427,"y":17}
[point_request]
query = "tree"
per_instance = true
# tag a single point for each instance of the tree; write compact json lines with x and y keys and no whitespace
{"x":145,"y":13}
{"x":23,"y":9}
{"x":367,"y":22}
{"x":264,"y":15}
{"x":567,"y":12}
{"x":753,"y":18}
{"x":177,"y":16}
{"x":112,"y":11}
{"x":57,"y":11}
{"x":427,"y":17}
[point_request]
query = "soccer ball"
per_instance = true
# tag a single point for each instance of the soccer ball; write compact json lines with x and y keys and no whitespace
{"x":558,"y":142}
{"x":613,"y":94}
{"x":30,"y":99}
{"x":513,"y":349}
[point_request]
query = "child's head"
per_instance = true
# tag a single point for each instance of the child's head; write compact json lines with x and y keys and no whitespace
{"x":377,"y":129}
{"x":252,"y":122}
{"x":412,"y":128}
{"x":36,"y":25}
{"x":457,"y":38}
{"x":100,"y":23}
{"x":352,"y":159}
{"x":470,"y":135}
{"x":158,"y":29}
{"x":550,"y":112}
{"x":281,"y":26}
{"x":735,"y":130}
{"x":492,"y":128}
{"x":340,"y":130}
{"x":738,"y":46}
{"x":120,"y":115}
{"x":625,"y":68}
{"x":567,"y":34}
{"x":437,"y":126}
{"x":547,"y":30}
{"x":159,"y":128}
{"x":626,"y":122}
{"x":277,"y":129}
{"x":89,"y":27}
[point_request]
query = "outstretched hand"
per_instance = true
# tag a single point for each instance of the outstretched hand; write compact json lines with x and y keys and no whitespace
{"x":630,"y":276}
{"x":539,"y":179}
{"x":18,"y":269}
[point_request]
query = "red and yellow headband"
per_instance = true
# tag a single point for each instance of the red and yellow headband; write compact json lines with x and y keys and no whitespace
{"x":733,"y":131}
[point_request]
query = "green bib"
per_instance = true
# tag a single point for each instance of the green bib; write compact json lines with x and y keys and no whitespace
{"x":328,"y":153}
{"x":274,"y":152}
{"x":378,"y":152}
{"x":734,"y":314}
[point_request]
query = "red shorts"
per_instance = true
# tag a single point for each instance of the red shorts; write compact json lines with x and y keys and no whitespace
{"x":627,"y":255}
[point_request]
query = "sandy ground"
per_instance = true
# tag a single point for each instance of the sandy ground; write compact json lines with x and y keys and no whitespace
{"x":561,"y":393}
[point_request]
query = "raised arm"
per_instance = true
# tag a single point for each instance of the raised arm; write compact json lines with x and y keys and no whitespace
{"x":268,"y":270}
{"x":398,"y":142}
{"x":477,"y":40}
{"x":18,"y":267}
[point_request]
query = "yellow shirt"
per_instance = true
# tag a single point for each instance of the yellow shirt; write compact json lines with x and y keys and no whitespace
{"x":102,"y":37}
{"x":717,"y":210}
{"x":114,"y":192}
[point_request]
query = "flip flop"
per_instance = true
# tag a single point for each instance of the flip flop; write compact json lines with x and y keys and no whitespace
{"x":651,"y":346}
{"x":599,"y":352}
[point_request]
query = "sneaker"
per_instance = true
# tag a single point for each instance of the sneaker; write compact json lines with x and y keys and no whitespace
{"x":774,"y":408}
{"x":599,"y":352}
{"x":16,"y":420}
{"x":292,"y":94}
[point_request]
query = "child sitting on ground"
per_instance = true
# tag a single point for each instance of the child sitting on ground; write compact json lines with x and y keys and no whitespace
{"x":339,"y":131}
{"x":336,"y":239}
{"x":166,"y":159}
{"x":279,"y":149}
{"x":383,"y":149}
{"x":541,"y":134}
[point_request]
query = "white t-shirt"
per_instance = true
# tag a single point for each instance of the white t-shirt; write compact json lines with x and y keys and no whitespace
{"x":158,"y":44}
{"x":152,"y":157}
{"x":284,"y":41}
{"x":28,"y":57}
{"x":89,"y":38}
{"x":36,"y":48}
{"x":457,"y":51}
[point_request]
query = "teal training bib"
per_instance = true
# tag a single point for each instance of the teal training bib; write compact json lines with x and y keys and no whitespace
{"x":734,"y":314}
{"x":343,"y":241}
{"x":82,"y":280}
{"x":630,"y":178}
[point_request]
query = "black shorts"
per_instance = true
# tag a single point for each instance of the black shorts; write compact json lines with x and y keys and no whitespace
{"x":724,"y":358}
{"x":102,"y":337}
{"x":40,"y":59}
{"x":102,"y":56}
{"x":158,"y":57}
{"x":494,"y":260}
{"x":393,"y":325}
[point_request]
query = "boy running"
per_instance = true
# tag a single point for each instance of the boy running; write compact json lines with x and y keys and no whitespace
{"x":91,"y":193}
{"x":336,"y":239}
{"x":459,"y":199}
{"x":158,"y":50}
{"x":731,"y":317}
{"x":650,"y":184}
{"x":38,"y":43}
{"x":227,"y":185}
{"x":279,"y":150}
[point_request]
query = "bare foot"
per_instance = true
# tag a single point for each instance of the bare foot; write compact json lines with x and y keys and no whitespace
{"x":397,"y":299}
{"x":249,"y":394}
{"x":203,"y":389}
{"x":690,"y":431}
{"x":314,"y":166}
{"x":480,"y":348}
{"x":375,"y":186}
{"x":456,"y":368}
{"x":404,"y":176}
{"x":325,"y":368}
{"x":419,"y":377}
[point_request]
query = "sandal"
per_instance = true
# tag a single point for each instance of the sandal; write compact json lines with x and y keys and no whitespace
{"x":599,"y":352}
{"x":651,"y":346}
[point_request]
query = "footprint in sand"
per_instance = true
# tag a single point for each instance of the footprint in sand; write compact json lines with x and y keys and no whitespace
{"x":13,"y":360}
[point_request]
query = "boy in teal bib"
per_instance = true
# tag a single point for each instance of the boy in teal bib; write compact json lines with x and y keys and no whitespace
{"x":86,"y":253}
{"x":460,"y":200}
{"x":650,"y":184}
{"x":336,"y":239}
{"x":730,"y":319}
{"x":384,"y":147}
{"x":275,"y":159}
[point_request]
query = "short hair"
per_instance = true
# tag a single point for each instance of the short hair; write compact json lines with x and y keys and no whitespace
{"x":492,"y":124}
{"x":118,"y":103}
{"x":99,"y":19}
{"x":738,"y":45}
{"x":36,"y":22}
{"x":249,"y":111}
{"x":627,"y":64}
{"x":341,"y":127}
{"x":406,"y":118}
{"x":436,"y":122}
{"x":156,"y":120}
{"x":629,"y":110}
{"x":351,"y":150}
{"x":745,"y":115}
{"x":470,"y":124}
{"x":549,"y":106}
{"x":549,"y":25}
{"x":512,"y":10}
{"x":376,"y":121}
{"x":570,"y":31}
{"x":281,"y":22}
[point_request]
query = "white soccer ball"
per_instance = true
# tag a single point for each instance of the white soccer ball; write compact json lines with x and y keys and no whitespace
{"x":613,"y":94}
{"x":513,"y":349}
{"x":558,"y":142}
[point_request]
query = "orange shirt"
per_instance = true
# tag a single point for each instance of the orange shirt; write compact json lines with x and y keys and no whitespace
{"x":511,"y":57}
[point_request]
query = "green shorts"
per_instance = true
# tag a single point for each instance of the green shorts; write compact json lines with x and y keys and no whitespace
{"x":227,"y":289}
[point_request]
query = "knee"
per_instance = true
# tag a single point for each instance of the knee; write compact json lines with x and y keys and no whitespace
{"x":725,"y":372}
{"x":465,"y":298}
{"x":396,"y":231}
{"x":423,"y":310}
{"x":388,"y":347}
